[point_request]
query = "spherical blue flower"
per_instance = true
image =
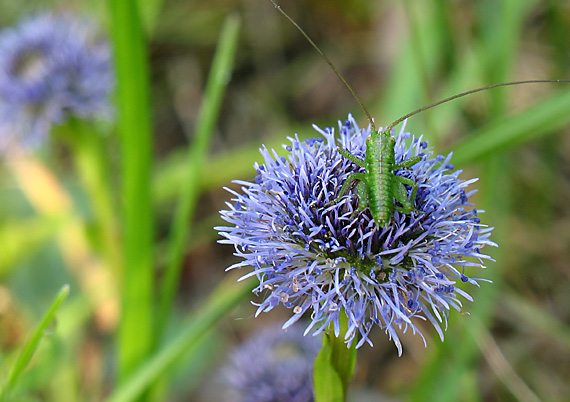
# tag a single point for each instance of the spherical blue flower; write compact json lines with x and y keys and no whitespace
{"x":274,"y":365}
{"x":333,"y":259}
{"x":51,"y":67}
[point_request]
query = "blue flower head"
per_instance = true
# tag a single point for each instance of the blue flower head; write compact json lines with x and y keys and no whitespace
{"x":51,"y":67}
{"x":333,"y":259}
{"x":274,"y":365}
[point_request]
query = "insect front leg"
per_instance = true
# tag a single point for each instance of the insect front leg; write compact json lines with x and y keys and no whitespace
{"x":354,"y":176}
{"x":408,"y":163}
{"x":401,"y":194}
{"x":354,"y":159}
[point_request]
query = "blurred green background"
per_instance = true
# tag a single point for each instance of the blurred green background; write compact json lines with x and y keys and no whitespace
{"x":398,"y":56}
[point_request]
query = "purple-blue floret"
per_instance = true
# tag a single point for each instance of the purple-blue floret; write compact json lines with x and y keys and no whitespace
{"x":52,"y":67}
{"x":273,"y":365}
{"x":332,"y":259}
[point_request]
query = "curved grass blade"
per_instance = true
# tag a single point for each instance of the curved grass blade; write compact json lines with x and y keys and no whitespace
{"x":223,"y":299}
{"x":542,"y":119}
{"x":29,"y":349}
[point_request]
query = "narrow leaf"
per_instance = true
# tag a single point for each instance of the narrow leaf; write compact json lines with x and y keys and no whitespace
{"x":135,"y":338}
{"x":29,"y":349}
{"x":226,"y":297}
{"x":544,"y":118}
{"x":209,"y":112}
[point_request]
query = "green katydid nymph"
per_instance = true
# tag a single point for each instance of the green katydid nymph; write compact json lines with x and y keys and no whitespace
{"x":378,"y":186}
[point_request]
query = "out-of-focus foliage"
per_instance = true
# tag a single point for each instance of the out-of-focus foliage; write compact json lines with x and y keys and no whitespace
{"x":397,"y":56}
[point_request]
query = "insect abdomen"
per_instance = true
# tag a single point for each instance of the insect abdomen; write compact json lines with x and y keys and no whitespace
{"x":379,"y":171}
{"x":380,"y":194}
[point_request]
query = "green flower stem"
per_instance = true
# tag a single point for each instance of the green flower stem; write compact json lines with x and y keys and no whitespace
{"x":209,"y":112}
{"x":29,"y":349}
{"x":226,"y":296}
{"x":135,"y":338}
{"x":334,"y":365}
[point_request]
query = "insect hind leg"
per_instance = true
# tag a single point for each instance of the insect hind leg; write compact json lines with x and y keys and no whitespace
{"x":362,"y":193}
{"x":401,"y":194}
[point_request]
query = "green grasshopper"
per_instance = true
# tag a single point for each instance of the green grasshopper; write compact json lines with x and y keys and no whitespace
{"x":378,"y":186}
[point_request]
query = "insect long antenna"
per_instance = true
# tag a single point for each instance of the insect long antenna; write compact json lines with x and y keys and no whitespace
{"x":503,"y":84}
{"x":324,"y":56}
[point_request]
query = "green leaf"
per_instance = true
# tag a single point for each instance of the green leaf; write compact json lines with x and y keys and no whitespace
{"x":334,"y":365}
{"x":344,"y":356}
{"x":29,"y":349}
{"x":326,"y":380}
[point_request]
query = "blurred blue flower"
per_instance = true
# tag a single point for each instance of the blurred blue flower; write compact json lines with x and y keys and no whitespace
{"x":333,"y":259}
{"x":274,"y":365}
{"x":51,"y":67}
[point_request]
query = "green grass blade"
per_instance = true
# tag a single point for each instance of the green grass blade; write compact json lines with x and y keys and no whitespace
{"x":227,"y":296}
{"x":536,"y":318}
{"x":540,"y":120}
{"x":167,"y":183}
{"x":406,"y":84}
{"x":30,"y":347}
{"x":209,"y":112}
{"x":150,"y":11}
{"x":453,"y":366}
{"x":131,"y":61}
